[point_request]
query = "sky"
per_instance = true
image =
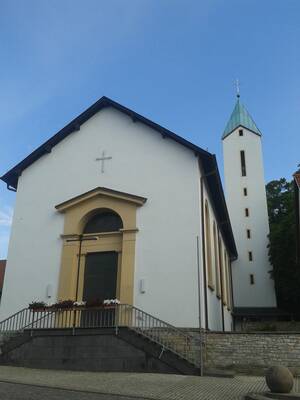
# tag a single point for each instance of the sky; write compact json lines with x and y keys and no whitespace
{"x":173,"y":61}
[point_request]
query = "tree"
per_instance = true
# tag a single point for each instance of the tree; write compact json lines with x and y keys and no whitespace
{"x":282,"y":247}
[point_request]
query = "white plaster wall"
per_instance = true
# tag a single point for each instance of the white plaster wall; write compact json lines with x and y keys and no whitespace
{"x":143,"y":163}
{"x":262,"y":293}
{"x":214,"y":304}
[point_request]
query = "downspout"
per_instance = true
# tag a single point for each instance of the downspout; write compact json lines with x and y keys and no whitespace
{"x":203,"y":256}
{"x":221,"y":280}
{"x":199,"y":305}
{"x":231,"y":295}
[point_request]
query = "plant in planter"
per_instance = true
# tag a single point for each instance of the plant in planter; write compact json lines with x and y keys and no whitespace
{"x":94,"y":303}
{"x":111,"y":302}
{"x":63,"y":304}
{"x":79,"y":303}
{"x":37,"y":305}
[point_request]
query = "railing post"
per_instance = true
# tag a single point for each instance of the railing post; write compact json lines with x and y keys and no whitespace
{"x":31,"y":331}
{"x":117,"y":320}
{"x":74,"y":322}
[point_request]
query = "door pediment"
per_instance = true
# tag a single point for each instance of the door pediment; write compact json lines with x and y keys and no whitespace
{"x":101,"y":192}
{"x":80,"y":208}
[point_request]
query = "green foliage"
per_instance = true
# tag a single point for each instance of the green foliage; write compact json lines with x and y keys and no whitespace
{"x":282,"y":247}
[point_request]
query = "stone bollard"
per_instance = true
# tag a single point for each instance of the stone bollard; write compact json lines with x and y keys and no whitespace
{"x":279,"y":379}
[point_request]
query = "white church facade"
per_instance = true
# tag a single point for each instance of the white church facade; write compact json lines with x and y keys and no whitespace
{"x":116,"y":206}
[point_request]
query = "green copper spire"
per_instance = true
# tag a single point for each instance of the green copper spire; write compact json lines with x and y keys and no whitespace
{"x":240,"y":117}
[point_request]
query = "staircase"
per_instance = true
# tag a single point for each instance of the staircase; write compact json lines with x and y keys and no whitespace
{"x":160,"y":341}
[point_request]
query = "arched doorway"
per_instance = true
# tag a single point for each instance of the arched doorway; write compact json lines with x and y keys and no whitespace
{"x":109,"y":217}
{"x":100,"y":278}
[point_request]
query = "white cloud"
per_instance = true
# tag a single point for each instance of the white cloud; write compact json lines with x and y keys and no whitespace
{"x":6,"y":217}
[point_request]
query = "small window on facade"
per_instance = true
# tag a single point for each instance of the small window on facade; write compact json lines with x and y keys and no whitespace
{"x":243,"y":163}
{"x":245,"y":192}
{"x":248,"y":233}
{"x":250,"y":255}
{"x":251,"y":279}
{"x":247,"y":212}
{"x":241,"y":133}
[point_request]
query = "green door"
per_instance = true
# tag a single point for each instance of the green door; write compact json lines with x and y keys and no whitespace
{"x":100,"y":276}
{"x":100,"y":283}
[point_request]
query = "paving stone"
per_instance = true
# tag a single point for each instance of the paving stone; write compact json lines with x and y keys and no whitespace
{"x":143,"y":386}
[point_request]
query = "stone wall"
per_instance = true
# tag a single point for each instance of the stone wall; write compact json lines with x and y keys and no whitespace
{"x":269,"y":326}
{"x":252,"y":352}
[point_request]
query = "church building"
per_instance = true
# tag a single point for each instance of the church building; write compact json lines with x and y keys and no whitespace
{"x":116,"y":206}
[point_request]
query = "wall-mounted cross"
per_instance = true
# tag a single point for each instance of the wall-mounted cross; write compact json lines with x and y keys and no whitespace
{"x":103,"y":158}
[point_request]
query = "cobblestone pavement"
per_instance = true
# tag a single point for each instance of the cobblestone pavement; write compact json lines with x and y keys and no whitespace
{"x":141,"y":386}
{"x":17,"y":391}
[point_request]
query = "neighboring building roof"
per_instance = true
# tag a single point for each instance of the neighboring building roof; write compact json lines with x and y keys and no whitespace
{"x":297,"y":178}
{"x":208,"y":160}
{"x":240,"y":117}
{"x":2,"y":272}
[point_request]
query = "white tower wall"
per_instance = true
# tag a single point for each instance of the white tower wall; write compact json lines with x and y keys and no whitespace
{"x":261,"y":292}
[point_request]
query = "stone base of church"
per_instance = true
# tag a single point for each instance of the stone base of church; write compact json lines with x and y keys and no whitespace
{"x":89,"y":350}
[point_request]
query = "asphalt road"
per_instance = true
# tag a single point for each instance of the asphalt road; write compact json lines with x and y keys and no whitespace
{"x":17,"y":391}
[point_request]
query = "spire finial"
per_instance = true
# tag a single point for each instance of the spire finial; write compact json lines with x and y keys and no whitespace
{"x":237,"y":86}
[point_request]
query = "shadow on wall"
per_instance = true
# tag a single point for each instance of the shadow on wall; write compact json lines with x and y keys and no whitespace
{"x":2,"y":273}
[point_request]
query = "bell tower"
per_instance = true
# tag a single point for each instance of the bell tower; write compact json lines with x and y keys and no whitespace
{"x":247,"y":206}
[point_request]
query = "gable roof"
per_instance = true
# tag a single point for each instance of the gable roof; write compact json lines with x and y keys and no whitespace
{"x":208,"y":160}
{"x":240,"y":117}
{"x":11,"y":177}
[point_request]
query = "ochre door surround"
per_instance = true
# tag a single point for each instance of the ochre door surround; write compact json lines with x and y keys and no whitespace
{"x":77,"y":212}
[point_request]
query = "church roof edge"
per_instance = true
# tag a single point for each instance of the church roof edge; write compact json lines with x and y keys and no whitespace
{"x":11,"y":177}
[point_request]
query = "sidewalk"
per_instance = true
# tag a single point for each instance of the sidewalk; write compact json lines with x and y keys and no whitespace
{"x":147,"y":386}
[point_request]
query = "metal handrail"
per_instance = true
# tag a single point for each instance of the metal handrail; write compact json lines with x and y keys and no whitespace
{"x":123,"y":315}
{"x":162,"y":333}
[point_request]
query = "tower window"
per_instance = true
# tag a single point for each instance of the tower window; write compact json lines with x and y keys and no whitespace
{"x":247,"y":212}
{"x":251,"y":279}
{"x":248,"y":234}
{"x":241,"y":132}
{"x":243,"y":163}
{"x":245,"y":192}
{"x":250,"y":255}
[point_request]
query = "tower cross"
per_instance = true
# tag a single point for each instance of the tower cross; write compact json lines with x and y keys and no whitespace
{"x":103,"y":158}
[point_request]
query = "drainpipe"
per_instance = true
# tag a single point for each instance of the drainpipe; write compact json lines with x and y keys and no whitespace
{"x":221,"y":280}
{"x":204,"y":256}
{"x":231,"y":294}
{"x":199,"y":305}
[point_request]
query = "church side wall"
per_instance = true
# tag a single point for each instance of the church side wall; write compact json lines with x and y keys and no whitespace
{"x":214,"y":305}
{"x":143,"y":163}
